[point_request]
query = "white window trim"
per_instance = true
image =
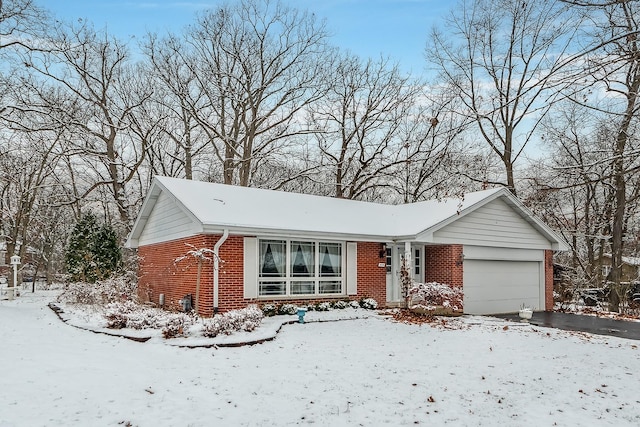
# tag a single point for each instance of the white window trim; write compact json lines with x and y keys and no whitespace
{"x":288,"y":278}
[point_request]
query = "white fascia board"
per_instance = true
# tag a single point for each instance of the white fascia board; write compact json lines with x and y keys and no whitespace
{"x":294,"y":234}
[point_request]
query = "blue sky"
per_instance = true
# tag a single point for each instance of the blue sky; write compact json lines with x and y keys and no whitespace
{"x":395,"y":28}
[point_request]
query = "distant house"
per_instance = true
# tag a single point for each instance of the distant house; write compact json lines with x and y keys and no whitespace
{"x":232,"y":246}
{"x":630,"y":268}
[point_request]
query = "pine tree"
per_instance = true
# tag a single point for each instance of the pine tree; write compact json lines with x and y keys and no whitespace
{"x":93,"y":252}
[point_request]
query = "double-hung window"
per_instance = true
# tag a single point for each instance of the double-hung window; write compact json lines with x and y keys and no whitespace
{"x":296,"y":267}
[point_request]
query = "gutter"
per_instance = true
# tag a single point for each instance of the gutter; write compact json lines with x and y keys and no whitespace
{"x":216,"y":267}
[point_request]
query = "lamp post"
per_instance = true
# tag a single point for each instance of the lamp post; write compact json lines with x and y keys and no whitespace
{"x":15,"y":261}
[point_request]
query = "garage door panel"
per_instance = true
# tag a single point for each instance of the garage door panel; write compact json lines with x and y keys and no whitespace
{"x":502,"y":293}
{"x":492,"y":286}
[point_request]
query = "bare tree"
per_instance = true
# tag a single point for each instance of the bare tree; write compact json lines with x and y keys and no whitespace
{"x":257,"y":65}
{"x":613,"y":63}
{"x":93,"y":96}
{"x":181,"y":141}
{"x":359,"y":124}
{"x":503,"y":59}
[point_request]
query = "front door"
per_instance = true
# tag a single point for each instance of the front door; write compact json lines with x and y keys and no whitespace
{"x":395,"y":254}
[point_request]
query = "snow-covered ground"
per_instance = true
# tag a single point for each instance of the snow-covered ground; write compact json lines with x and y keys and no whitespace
{"x":467,"y":371}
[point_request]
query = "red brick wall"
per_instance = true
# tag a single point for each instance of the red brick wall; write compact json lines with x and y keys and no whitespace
{"x":231,"y":275}
{"x":442,"y":264}
{"x":548,"y":280}
{"x":372,"y":280}
{"x":163,"y":272}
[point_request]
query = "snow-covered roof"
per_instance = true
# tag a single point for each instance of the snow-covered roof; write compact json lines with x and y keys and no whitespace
{"x":252,"y":210}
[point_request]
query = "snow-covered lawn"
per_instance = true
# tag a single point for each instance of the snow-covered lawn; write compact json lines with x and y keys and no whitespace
{"x":468,"y":371}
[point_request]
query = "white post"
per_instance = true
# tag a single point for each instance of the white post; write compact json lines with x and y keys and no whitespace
{"x":15,"y":261}
{"x":408,"y":258}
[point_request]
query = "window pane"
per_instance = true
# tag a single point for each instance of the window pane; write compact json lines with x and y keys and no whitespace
{"x":272,"y":258}
{"x":330,"y":260}
{"x":303,"y":256}
{"x":302,"y":288}
{"x":332,"y":287}
{"x":416,"y":261}
{"x":272,"y":288}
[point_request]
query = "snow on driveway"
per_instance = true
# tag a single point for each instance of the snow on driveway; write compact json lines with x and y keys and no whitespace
{"x":476,"y":372}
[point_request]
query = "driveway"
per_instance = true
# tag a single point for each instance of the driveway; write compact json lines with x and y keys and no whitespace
{"x":575,"y":322}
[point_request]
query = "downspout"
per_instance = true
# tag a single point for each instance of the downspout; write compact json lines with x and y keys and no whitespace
{"x":216,"y":267}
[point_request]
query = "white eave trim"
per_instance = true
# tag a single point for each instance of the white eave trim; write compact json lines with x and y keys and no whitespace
{"x":295,"y":234}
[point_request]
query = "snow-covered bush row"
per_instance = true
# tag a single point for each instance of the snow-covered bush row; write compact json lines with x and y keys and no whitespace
{"x":128,"y":314}
{"x":101,"y":292}
{"x":434,"y":294}
{"x":271,"y":309}
{"x":246,"y":319}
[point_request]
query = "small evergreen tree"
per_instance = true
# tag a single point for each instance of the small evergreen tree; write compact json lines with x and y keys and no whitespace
{"x":93,"y":252}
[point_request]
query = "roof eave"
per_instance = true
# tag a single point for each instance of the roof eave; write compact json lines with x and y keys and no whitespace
{"x":295,"y":234}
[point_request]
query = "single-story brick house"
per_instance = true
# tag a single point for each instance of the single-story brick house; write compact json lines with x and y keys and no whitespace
{"x":273,"y":246}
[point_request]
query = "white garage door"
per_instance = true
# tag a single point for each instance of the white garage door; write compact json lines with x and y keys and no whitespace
{"x":498,"y":286}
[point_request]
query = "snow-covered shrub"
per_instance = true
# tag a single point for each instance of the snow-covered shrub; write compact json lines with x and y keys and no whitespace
{"x":434,"y":294}
{"x":246,"y":319}
{"x":101,"y":292}
{"x":252,"y":318}
{"x":323,"y":306}
{"x":287,"y":309}
{"x":354,"y":304}
{"x":176,"y":325}
{"x":128,"y":314}
{"x":368,"y":303}
{"x":218,"y":324}
{"x":117,"y":314}
{"x":340,"y":305}
{"x":269,"y":309}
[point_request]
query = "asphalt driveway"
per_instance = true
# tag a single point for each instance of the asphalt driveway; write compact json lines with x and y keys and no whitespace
{"x":575,"y":322}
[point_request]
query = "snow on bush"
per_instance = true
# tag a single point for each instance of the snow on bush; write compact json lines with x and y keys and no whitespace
{"x":433,"y":294}
{"x":368,"y":303}
{"x":323,"y":306}
{"x":354,"y":304}
{"x":287,"y":309}
{"x":269,"y":309}
{"x":128,"y":314}
{"x":101,"y":292}
{"x":246,"y":319}
{"x":340,"y":305}
{"x":176,"y":325}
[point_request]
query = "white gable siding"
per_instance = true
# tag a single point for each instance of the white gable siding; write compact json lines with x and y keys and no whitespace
{"x":166,"y":222}
{"x":494,"y":224}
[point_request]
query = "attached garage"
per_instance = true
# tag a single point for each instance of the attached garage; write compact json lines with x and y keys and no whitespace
{"x":499,"y":281}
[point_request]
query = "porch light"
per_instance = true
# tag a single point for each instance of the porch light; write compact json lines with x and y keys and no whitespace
{"x":383,"y":250}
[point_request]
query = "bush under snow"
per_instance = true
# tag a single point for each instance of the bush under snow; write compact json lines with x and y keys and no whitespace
{"x":101,"y":292}
{"x":436,"y":294}
{"x":368,"y":303}
{"x":246,"y":319}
